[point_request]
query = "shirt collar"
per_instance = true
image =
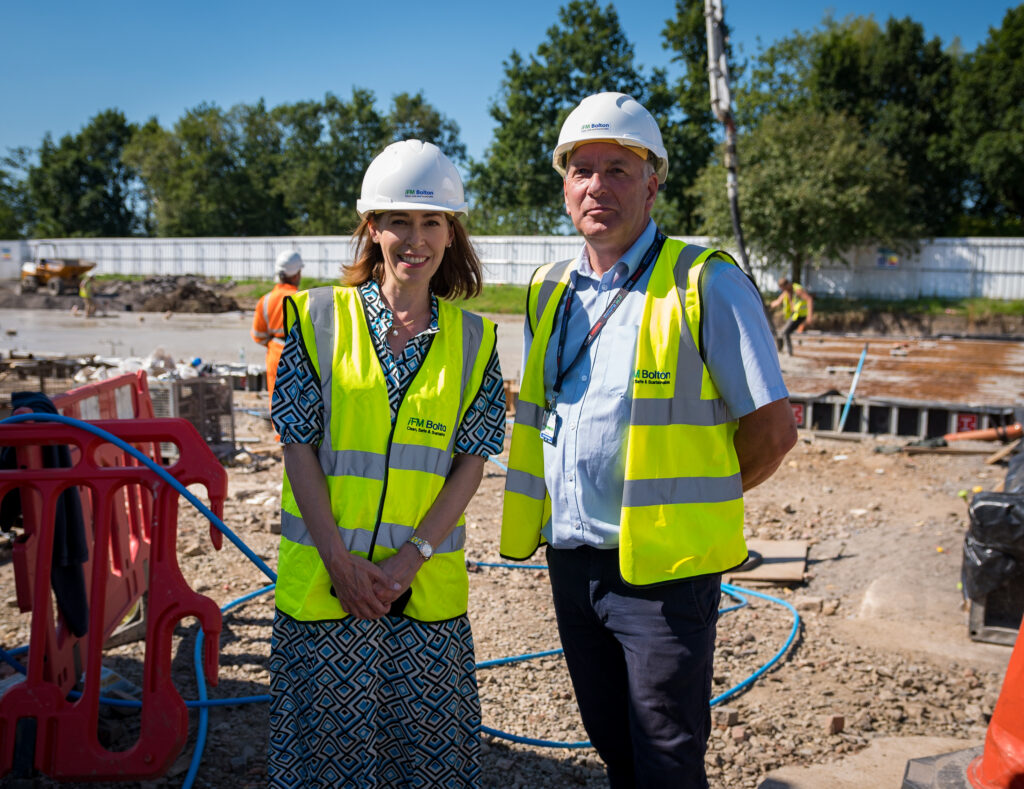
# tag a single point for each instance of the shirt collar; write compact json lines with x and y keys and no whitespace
{"x":379,"y":315}
{"x":626,"y":265}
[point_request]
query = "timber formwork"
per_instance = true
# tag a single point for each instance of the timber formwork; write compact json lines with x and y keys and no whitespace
{"x":909,"y":418}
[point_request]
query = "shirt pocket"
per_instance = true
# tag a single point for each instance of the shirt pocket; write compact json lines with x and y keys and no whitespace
{"x":616,"y":360}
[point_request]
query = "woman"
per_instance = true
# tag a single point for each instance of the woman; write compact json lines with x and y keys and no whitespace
{"x":388,"y":402}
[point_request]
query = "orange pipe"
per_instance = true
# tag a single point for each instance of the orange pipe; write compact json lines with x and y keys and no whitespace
{"x":1001,"y":433}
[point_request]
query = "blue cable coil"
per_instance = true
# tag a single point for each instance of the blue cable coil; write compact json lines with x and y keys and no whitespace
{"x":203,"y":703}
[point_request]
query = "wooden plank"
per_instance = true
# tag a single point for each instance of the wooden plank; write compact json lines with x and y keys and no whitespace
{"x":782,"y":561}
{"x":1003,"y":453}
{"x":946,"y":450}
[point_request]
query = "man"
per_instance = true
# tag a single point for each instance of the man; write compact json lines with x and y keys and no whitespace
{"x":651,"y":397}
{"x":268,"y":319}
{"x":797,"y":309}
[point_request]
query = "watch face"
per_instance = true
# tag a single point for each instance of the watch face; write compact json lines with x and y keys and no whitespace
{"x":422,"y":546}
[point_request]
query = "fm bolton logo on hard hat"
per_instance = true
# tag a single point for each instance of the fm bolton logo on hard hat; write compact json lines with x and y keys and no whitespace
{"x":426,"y":193}
{"x":589,"y":127}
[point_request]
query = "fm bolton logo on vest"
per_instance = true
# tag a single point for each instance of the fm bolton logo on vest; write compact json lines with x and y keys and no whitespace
{"x":418,"y":425}
{"x":652,"y":377}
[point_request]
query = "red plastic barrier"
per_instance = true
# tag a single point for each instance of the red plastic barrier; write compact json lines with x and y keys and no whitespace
{"x":122,"y":397}
{"x":1001,"y":764}
{"x":130,"y":517}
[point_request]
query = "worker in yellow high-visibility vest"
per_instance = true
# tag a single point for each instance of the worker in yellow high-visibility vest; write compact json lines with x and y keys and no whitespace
{"x":797,"y":309}
{"x":651,"y":398}
{"x":388,"y":401}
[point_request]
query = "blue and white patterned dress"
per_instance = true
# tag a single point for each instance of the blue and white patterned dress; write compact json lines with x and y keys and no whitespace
{"x":390,"y":702}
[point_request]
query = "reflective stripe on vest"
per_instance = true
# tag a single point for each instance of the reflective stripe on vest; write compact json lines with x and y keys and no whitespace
{"x":381,"y":478}
{"x":682,"y":511}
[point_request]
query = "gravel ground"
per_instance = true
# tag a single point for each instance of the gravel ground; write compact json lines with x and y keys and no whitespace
{"x":866,"y":515}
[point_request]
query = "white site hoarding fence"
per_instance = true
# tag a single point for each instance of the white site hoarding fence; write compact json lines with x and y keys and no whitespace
{"x":944,"y":267}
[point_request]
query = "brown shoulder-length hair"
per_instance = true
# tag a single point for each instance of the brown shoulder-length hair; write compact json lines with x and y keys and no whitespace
{"x":460,"y":275}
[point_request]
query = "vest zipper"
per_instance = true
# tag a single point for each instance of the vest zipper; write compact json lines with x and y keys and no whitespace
{"x":387,"y":454}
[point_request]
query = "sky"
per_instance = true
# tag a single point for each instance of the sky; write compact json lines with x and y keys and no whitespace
{"x":64,"y":61}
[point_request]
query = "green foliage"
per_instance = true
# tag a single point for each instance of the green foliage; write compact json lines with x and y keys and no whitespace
{"x":328,"y":146}
{"x":502,"y":299}
{"x":899,"y":87}
{"x":514,"y":189}
{"x":81,"y":185}
{"x":295,"y":169}
{"x":14,"y":206}
{"x":684,"y":115}
{"x":894,"y":83}
{"x":989,"y":121}
{"x":813,"y":187}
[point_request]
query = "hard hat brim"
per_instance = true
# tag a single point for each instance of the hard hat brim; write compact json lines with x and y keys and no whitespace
{"x":365,"y":208}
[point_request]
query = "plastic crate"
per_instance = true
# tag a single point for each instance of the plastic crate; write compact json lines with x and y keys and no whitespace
{"x":205,"y":402}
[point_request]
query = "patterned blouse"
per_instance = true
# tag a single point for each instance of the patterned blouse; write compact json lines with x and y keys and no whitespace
{"x":298,"y":410}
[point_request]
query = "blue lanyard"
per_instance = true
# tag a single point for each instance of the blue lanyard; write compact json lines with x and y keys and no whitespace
{"x":645,"y":262}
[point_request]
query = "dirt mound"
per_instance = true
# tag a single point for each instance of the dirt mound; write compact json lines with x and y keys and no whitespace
{"x":185,"y":294}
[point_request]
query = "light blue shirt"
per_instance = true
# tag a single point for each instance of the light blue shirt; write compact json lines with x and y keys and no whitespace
{"x":585,"y":469}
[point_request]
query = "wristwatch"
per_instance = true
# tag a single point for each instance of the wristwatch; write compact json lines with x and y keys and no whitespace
{"x":425,"y":548}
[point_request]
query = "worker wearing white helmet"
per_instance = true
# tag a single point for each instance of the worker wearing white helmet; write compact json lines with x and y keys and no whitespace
{"x":268,"y":318}
{"x":389,"y":400}
{"x":651,"y":398}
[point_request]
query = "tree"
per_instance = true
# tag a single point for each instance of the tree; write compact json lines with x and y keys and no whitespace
{"x":82,"y":186}
{"x":211,"y":175}
{"x":842,"y":190}
{"x":899,"y":87}
{"x":327,"y":147}
{"x":894,"y":83}
{"x":514,"y":188}
{"x":988,"y":117}
{"x":259,"y":154}
{"x":414,"y":118}
{"x":684,"y":115}
{"x":14,"y":209}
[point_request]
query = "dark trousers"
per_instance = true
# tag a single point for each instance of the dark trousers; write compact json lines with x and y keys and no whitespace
{"x":787,"y":332}
{"x":640,"y":660}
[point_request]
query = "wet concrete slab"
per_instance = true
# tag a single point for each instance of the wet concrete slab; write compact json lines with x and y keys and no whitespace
{"x":982,"y":372}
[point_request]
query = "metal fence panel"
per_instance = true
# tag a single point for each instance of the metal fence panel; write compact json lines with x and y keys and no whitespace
{"x":944,"y":267}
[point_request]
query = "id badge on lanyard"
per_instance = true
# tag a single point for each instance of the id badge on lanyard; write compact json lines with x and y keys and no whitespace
{"x":551,"y":422}
{"x":549,"y":431}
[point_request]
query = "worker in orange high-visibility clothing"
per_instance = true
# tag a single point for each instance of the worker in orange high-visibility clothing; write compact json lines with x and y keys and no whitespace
{"x":268,"y":320}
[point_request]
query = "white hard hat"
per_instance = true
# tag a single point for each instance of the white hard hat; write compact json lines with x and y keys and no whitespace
{"x":611,"y":117}
{"x":288,"y":263}
{"x":412,"y":175}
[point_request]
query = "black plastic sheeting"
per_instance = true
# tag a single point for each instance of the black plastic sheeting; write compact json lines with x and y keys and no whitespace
{"x":1015,"y":474}
{"x":994,"y":545}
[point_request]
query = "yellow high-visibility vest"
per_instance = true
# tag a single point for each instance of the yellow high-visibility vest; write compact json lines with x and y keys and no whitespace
{"x":381,"y":479}
{"x":682,"y":500}
{"x":795,"y":307}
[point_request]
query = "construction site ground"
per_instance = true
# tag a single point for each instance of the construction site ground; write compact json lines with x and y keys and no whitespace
{"x":881,"y":670}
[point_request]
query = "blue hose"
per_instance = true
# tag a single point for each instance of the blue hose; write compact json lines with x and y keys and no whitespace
{"x":156,"y":469}
{"x":204,"y":703}
{"x":733,"y":591}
